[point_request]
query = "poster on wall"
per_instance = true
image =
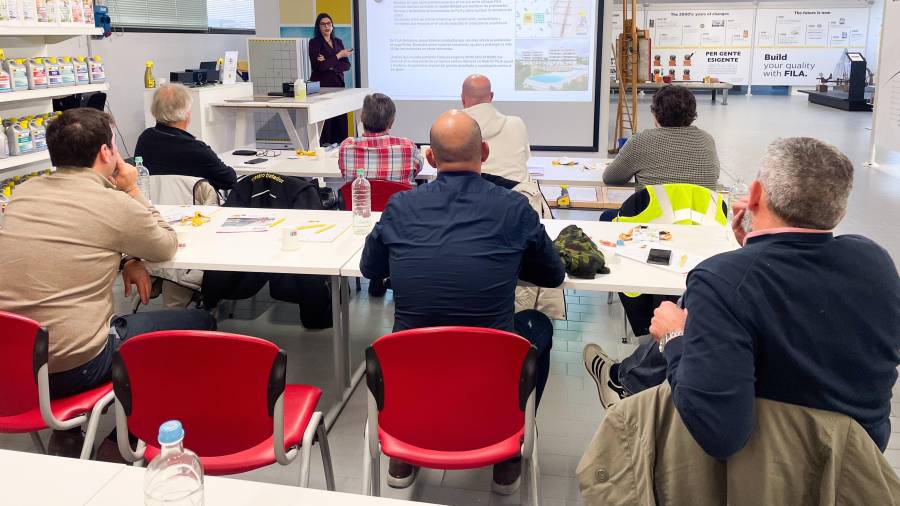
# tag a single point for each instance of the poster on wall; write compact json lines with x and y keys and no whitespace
{"x":795,"y":46}
{"x":689,"y":45}
{"x":886,"y":122}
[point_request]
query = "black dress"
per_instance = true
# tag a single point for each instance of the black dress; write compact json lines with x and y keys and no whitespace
{"x":330,"y":74}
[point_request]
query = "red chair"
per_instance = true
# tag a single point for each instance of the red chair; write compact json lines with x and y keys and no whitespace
{"x":451,"y":398}
{"x":25,"y":404}
{"x":230,"y":395}
{"x":381,"y":193}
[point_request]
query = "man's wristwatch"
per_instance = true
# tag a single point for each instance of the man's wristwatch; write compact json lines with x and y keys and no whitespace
{"x":668,"y":336}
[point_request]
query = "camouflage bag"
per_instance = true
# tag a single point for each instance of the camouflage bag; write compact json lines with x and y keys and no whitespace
{"x":579,"y":254}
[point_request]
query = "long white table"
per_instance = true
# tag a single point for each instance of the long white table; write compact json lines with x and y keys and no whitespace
{"x":208,"y":249}
{"x":41,"y":480}
{"x":586,"y":171}
{"x":287,"y":163}
{"x":628,"y":275}
{"x":317,"y":108}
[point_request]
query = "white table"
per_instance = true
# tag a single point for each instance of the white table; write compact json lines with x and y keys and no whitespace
{"x":543,"y":171}
{"x":317,"y":108}
{"x":288,"y":163}
{"x":628,"y":275}
{"x":41,"y":480}
{"x":261,"y":252}
{"x":32,"y":479}
{"x":126,"y":489}
{"x":691,"y":85}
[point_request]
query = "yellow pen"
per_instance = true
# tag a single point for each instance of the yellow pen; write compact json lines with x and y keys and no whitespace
{"x":279,"y":222}
{"x":683,"y":261}
{"x":306,"y":227}
{"x":329,"y":227}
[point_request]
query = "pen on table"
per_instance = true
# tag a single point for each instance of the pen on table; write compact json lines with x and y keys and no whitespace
{"x":273,"y":225}
{"x":329,"y":227}
{"x":683,"y":261}
{"x":306,"y":227}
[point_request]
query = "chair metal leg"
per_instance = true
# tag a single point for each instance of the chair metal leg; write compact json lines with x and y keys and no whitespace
{"x":610,"y":300}
{"x":306,"y":447}
{"x":92,"y":422}
{"x":36,"y":439}
{"x":367,"y":464}
{"x":376,"y":475}
{"x":322,"y":436}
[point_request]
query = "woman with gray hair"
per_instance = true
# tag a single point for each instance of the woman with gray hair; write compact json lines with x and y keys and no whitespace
{"x":168,"y":148}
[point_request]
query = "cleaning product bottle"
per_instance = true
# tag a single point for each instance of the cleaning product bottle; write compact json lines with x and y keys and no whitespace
{"x":66,"y":71}
{"x":4,"y":146}
{"x":563,"y":201}
{"x":19,"y":136}
{"x":149,"y":80}
{"x":88,"y":12}
{"x":38,"y":134}
{"x":43,"y":8}
{"x":63,"y":11}
{"x":13,"y":15}
{"x":95,"y":68}
{"x":77,"y":12}
{"x":4,"y":11}
{"x":82,"y":74}
{"x":300,"y":89}
{"x":54,"y":78}
{"x":18,"y":74}
{"x":37,"y":73}
{"x":27,"y":11}
{"x":5,"y":81}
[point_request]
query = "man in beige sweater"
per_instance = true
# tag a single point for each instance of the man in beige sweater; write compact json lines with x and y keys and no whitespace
{"x":65,"y":236}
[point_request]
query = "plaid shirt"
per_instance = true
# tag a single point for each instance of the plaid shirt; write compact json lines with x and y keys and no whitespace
{"x":381,"y":156}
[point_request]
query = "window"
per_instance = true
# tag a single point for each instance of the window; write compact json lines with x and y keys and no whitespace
{"x":230,"y":14}
{"x":182,"y":15}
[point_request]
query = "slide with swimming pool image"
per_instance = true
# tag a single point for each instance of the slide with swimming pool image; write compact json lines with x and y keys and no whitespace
{"x":552,"y":64}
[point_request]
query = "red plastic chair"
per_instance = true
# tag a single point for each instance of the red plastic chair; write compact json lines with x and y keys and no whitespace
{"x":230,"y":395}
{"x":382,"y":190}
{"x":451,"y":398}
{"x":25,"y":404}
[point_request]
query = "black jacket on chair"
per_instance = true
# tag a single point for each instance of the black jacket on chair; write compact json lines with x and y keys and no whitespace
{"x":312,"y":293}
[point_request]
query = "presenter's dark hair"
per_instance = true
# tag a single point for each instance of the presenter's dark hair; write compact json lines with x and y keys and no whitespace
{"x":674,"y":106}
{"x":378,"y":113}
{"x":317,"y":30}
{"x":75,"y":138}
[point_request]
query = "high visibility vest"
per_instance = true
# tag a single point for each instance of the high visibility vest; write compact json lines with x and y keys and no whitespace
{"x":680,"y":204}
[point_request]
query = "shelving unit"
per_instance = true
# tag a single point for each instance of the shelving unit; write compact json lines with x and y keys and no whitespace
{"x":35,"y":40}
{"x":21,"y":96}
{"x":22,"y":160}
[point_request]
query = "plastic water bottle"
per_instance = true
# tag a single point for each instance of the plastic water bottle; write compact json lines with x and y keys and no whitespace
{"x":362,"y":204}
{"x":143,"y":177}
{"x":175,"y":476}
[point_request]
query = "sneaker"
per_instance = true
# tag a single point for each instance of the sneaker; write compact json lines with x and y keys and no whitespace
{"x":598,"y":365}
{"x":507,"y":476}
{"x":401,"y":474}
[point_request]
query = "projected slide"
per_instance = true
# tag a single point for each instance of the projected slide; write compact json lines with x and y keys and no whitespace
{"x":532,"y":50}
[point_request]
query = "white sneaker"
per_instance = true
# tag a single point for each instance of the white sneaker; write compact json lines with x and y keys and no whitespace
{"x":598,"y":365}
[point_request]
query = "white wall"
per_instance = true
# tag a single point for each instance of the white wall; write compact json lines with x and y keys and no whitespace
{"x":124,"y":55}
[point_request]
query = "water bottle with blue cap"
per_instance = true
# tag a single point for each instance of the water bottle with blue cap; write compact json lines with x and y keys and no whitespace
{"x":175,"y":476}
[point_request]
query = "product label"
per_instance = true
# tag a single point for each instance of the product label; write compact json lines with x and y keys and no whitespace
{"x":67,"y":74}
{"x":81,"y":75}
{"x":39,"y":139}
{"x":5,"y":83}
{"x":53,"y":76}
{"x":38,"y":76}
{"x":97,"y":73}
{"x":23,"y":142}
{"x":19,"y":78}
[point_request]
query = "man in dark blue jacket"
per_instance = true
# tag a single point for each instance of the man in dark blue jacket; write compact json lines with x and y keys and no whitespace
{"x":797,"y":315}
{"x":454,"y":250}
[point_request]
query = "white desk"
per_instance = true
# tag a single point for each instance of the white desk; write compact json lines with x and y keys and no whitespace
{"x":288,"y":163}
{"x":543,"y":171}
{"x":126,"y":489}
{"x":628,"y":275}
{"x":317,"y":108}
{"x":32,"y":479}
{"x":261,"y":252}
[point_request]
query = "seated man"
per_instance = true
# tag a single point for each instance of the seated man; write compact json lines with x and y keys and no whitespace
{"x":506,"y":135}
{"x":168,"y":148}
{"x":454,"y":249}
{"x":379,"y":154}
{"x":797,"y":315}
{"x":62,"y":242}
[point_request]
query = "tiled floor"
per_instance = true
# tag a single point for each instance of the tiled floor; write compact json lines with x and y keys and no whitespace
{"x":569,"y":412}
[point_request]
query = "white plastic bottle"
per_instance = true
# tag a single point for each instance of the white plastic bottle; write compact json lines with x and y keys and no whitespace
{"x":54,"y":77}
{"x":82,"y":74}
{"x":18,"y":74}
{"x":38,"y":134}
{"x":5,"y":80}
{"x":175,"y":476}
{"x":4,"y":146}
{"x":143,"y":178}
{"x":66,"y":71}
{"x":37,"y":73}
{"x":27,"y":11}
{"x":19,"y":138}
{"x":95,"y":68}
{"x":362,"y":204}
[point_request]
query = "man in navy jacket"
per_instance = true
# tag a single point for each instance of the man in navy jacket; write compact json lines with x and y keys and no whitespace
{"x":797,"y":315}
{"x":454,"y":250}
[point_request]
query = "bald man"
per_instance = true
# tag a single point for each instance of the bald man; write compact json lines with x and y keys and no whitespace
{"x":169,"y":149}
{"x":506,"y":135}
{"x":454,"y":250}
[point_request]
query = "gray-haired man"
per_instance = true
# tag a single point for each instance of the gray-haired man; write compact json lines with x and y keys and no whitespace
{"x":797,"y":315}
{"x":168,"y":148}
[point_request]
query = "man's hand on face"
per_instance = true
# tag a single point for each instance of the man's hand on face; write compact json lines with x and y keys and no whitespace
{"x":667,"y":318}
{"x":124,"y":176}
{"x":739,"y":210}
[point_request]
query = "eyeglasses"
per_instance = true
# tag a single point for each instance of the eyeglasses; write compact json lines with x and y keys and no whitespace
{"x":326,"y":23}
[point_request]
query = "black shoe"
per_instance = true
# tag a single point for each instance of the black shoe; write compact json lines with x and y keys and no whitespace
{"x":401,"y":474}
{"x":377,"y":288}
{"x":507,"y":476}
{"x":66,"y":443}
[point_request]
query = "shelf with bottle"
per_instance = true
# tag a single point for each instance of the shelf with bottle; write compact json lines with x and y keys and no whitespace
{"x":49,"y":30}
{"x":48,"y":18}
{"x":22,"y":160}
{"x":64,"y":91}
